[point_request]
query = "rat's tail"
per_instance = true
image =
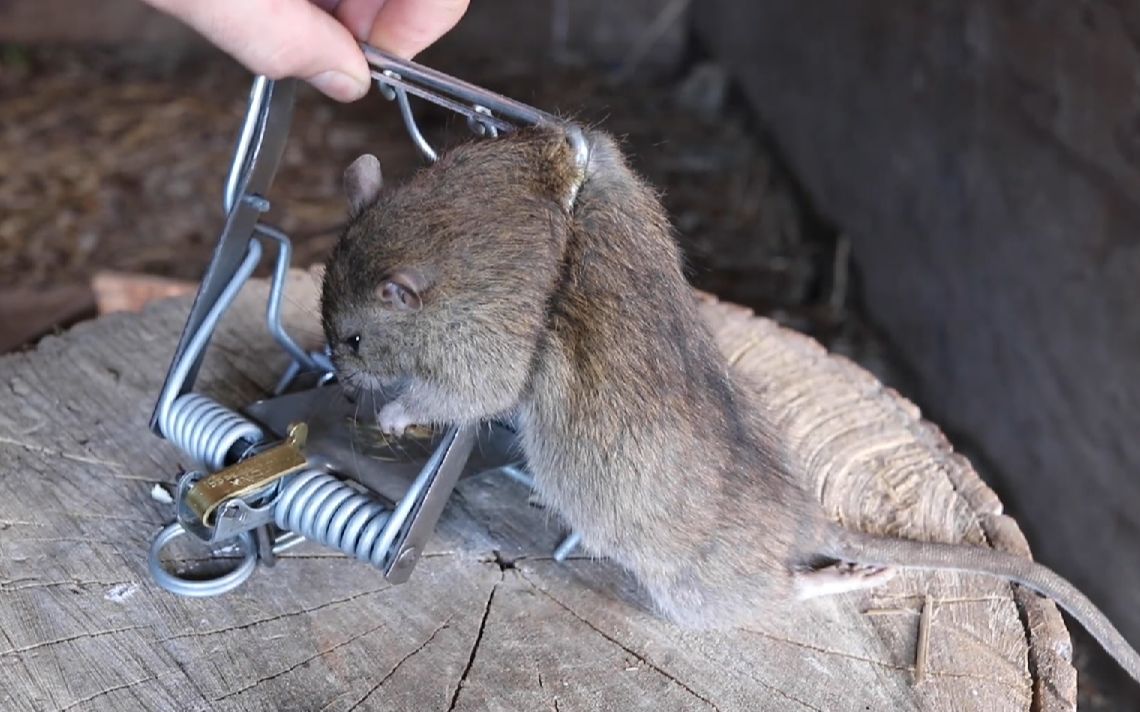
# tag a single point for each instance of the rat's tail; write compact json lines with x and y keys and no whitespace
{"x":862,"y":548}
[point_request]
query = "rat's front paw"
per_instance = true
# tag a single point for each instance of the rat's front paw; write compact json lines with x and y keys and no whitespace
{"x":394,"y":419}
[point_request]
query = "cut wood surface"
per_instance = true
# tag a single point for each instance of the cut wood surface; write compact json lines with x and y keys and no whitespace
{"x":124,"y":291}
{"x":488,"y":620}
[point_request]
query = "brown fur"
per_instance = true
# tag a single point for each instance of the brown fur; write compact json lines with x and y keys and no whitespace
{"x":556,"y":294}
{"x":582,"y":322}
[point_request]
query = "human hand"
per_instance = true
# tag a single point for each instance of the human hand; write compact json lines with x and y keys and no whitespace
{"x":316,"y":40}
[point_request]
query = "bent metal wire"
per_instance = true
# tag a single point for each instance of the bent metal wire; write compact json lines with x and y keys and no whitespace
{"x":268,"y":479}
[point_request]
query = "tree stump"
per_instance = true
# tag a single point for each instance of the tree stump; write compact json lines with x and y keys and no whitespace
{"x":984,"y":159}
{"x":488,"y":620}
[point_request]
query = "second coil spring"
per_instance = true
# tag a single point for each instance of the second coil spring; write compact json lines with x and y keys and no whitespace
{"x":323,"y":509}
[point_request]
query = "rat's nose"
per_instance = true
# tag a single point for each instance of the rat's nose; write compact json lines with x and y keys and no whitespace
{"x":353,"y":342}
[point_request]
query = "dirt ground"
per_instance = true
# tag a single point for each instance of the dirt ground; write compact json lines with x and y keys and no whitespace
{"x":116,"y":161}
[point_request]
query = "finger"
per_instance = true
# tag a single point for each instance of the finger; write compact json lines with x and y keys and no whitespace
{"x":407,"y":27}
{"x":359,"y":16}
{"x":280,"y":38}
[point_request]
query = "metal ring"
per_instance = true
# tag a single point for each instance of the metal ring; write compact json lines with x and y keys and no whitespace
{"x":201,"y":587}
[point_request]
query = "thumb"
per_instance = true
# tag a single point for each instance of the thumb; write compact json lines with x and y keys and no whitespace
{"x":280,"y":38}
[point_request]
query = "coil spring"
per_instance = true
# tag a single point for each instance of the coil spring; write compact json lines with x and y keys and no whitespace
{"x":323,"y":509}
{"x":207,"y":430}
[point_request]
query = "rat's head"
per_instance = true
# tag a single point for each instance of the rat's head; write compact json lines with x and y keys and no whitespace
{"x":446,"y":277}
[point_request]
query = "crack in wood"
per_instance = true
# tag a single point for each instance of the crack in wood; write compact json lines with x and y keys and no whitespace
{"x":202,"y":662}
{"x":475,"y":645}
{"x":19,"y":523}
{"x":784,"y":693}
{"x":280,"y":616}
{"x":399,"y":664}
{"x":939,"y":601}
{"x":618,"y":643}
{"x":922,"y":653}
{"x":68,"y":639}
{"x":1031,"y":659}
{"x":64,"y":540}
{"x":13,"y":582}
{"x":1021,"y":694}
{"x":103,"y":693}
{"x":828,"y":651}
{"x":106,"y":517}
{"x":302,"y":663}
{"x":52,"y":452}
{"x":7,"y":587}
{"x":985,"y":648}
{"x":187,"y":676}
{"x":550,"y":557}
{"x":1048,"y":685}
{"x":553,"y":699}
{"x":338,"y":555}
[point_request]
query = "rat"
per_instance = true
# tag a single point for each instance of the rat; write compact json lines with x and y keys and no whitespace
{"x":536,"y":277}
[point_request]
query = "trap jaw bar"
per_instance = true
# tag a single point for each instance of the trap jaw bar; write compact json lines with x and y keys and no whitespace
{"x":268,"y":480}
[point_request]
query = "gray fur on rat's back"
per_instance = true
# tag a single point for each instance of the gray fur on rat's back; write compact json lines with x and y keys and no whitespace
{"x":555,"y":292}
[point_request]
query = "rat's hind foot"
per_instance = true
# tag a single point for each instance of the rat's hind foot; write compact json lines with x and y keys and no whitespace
{"x":840,"y":577}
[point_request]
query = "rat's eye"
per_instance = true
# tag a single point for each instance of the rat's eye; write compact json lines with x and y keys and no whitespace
{"x":353,"y":342}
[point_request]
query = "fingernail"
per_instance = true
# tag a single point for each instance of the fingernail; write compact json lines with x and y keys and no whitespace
{"x":339,"y":85}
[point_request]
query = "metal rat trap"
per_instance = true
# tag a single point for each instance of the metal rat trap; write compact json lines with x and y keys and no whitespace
{"x":299,"y":464}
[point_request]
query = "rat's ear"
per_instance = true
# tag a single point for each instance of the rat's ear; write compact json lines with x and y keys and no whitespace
{"x":362,"y":181}
{"x":401,"y":290}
